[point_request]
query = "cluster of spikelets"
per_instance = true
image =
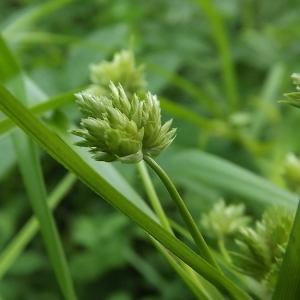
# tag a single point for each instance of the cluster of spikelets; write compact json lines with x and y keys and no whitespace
{"x":294,"y":98}
{"x":224,"y":220}
{"x":122,"y":69}
{"x":261,"y":249}
{"x":119,"y":128}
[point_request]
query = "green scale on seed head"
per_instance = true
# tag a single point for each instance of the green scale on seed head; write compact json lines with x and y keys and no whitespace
{"x":293,"y":98}
{"x":121,"y":69}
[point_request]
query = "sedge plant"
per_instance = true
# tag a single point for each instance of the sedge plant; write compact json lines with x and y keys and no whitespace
{"x":122,"y":123}
{"x":268,"y":252}
{"x":61,"y":151}
{"x":130,"y":131}
{"x":119,"y":126}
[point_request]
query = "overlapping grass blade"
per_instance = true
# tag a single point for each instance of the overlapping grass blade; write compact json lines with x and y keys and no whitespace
{"x":58,"y":101}
{"x":74,"y":163}
{"x":24,"y":236}
{"x":28,"y":160}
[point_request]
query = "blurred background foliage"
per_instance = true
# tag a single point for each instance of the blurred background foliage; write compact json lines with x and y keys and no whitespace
{"x":219,"y":68}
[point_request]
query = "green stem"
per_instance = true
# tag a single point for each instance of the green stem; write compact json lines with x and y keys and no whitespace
{"x":200,"y":293}
{"x":190,"y":223}
{"x":223,"y":250}
{"x":243,"y":280}
{"x":189,"y":277}
{"x":176,"y":227}
{"x":153,"y":197}
{"x":288,"y":283}
{"x":31,"y":172}
{"x":12,"y":251}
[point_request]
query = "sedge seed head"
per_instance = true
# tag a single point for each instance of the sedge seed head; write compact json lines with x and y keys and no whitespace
{"x":121,"y":69}
{"x":122,"y":128}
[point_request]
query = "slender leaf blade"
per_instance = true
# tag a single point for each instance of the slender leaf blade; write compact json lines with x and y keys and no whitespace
{"x":12,"y":75}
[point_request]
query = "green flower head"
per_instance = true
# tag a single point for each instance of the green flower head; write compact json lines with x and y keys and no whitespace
{"x":224,"y":220}
{"x":121,"y":69}
{"x":117,"y":128}
{"x":262,"y":249}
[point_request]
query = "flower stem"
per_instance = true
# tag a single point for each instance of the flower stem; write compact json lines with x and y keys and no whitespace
{"x":187,"y":274}
{"x":223,"y":250}
{"x":194,"y":285}
{"x":153,"y":197}
{"x":190,"y":223}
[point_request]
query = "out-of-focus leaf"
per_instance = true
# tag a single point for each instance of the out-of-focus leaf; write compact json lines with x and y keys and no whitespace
{"x":197,"y":166}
